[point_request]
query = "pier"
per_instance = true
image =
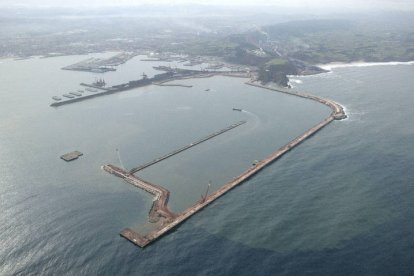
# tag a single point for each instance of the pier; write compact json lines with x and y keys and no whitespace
{"x":159,"y":79}
{"x":155,"y":161}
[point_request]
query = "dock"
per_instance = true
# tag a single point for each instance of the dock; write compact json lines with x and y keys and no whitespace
{"x":160,"y":206}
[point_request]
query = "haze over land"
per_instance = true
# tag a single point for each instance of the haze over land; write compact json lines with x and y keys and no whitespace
{"x":126,"y":82}
{"x":279,"y":38}
{"x":300,"y":4}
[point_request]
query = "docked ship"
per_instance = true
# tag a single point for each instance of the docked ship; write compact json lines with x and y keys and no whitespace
{"x":99,"y":83}
{"x":163,"y":68}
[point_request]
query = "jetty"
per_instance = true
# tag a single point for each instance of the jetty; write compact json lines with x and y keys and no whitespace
{"x":155,"y":161}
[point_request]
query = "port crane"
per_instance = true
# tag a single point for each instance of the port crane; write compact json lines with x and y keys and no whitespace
{"x":204,"y":197}
{"x":119,"y":158}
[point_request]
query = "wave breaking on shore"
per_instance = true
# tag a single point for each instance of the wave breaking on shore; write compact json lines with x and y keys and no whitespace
{"x":333,"y":65}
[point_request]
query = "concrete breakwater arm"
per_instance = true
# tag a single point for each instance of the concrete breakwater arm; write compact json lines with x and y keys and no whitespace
{"x":174,"y":220}
{"x":202,"y":140}
{"x":338,"y":112}
{"x":160,"y":80}
{"x":154,"y":235}
{"x":161,"y":195}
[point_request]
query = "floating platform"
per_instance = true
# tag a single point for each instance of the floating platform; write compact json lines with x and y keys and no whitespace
{"x":71,"y":155}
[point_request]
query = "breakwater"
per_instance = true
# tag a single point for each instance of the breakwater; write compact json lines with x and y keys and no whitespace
{"x":155,"y":161}
{"x":337,"y":113}
{"x":174,"y":220}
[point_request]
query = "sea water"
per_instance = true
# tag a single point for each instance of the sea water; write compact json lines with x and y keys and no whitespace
{"x":340,"y":203}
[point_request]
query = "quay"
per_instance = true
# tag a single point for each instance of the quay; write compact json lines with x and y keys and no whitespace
{"x":170,"y":220}
{"x":155,"y":161}
{"x":159,"y":79}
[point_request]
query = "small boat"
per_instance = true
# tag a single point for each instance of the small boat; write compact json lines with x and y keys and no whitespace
{"x":68,"y":96}
{"x":80,"y":91}
{"x":208,"y":89}
{"x":56,"y":98}
{"x":91,"y":90}
{"x":237,"y":109}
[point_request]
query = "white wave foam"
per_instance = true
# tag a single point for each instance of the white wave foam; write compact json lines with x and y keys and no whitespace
{"x":353,"y":115}
{"x":295,"y":80}
{"x":292,"y":82}
{"x":330,"y":66}
{"x":346,"y":113}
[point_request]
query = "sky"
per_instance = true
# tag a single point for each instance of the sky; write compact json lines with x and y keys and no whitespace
{"x":303,"y":4}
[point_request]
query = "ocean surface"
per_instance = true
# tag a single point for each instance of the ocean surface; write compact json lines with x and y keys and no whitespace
{"x":341,"y":203}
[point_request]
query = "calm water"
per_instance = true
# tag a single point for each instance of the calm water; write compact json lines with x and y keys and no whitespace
{"x":341,"y":203}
